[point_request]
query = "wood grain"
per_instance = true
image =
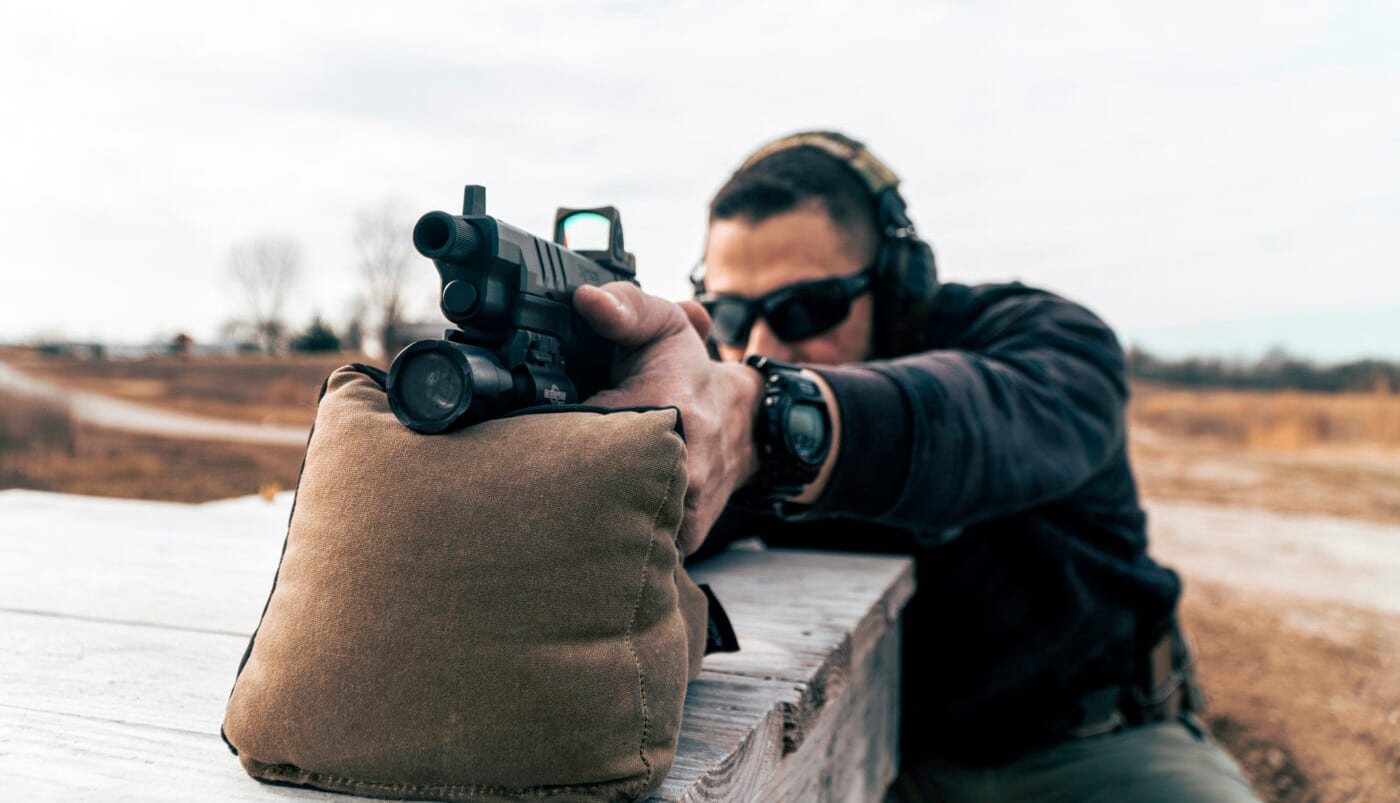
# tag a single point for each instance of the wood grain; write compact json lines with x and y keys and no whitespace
{"x":127,"y":620}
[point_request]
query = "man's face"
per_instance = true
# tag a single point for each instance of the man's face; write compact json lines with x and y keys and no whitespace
{"x":751,"y":259}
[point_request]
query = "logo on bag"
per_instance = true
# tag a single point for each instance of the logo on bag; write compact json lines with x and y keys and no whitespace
{"x":555,"y":395}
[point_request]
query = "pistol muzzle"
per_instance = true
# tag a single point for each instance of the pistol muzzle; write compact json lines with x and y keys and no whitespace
{"x":438,"y":235}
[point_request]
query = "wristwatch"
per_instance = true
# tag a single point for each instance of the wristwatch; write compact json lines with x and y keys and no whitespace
{"x":792,"y":433}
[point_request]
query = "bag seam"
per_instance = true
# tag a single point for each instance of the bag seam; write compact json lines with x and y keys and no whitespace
{"x":274,"y":773}
{"x":286,"y":539}
{"x":632,"y":620}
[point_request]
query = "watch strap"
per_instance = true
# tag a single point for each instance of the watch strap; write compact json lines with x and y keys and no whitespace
{"x":782,"y":473}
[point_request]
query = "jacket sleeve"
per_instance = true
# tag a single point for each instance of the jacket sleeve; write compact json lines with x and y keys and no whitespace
{"x":1027,"y":410}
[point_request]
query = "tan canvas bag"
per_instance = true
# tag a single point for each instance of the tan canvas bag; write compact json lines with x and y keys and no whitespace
{"x":497,"y":613}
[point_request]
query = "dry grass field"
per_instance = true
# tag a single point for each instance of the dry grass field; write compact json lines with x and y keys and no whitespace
{"x":1282,"y":421}
{"x":43,"y":448}
{"x":244,"y":388}
{"x":1307,"y":696}
{"x":1337,"y":454}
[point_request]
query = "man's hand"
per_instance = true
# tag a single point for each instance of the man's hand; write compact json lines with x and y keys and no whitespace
{"x":662,"y":362}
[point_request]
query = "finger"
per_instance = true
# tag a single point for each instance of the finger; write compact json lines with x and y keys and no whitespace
{"x":601,"y":310}
{"x":699,"y":318}
{"x":695,"y":523}
{"x":688,"y":538}
{"x":622,"y":313}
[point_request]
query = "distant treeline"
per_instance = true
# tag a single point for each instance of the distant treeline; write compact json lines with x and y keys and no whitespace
{"x":1276,"y":370}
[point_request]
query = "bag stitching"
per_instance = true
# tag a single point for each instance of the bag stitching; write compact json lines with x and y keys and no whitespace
{"x":248,"y":651}
{"x":279,"y":771}
{"x":632,"y":620}
{"x":275,"y":772}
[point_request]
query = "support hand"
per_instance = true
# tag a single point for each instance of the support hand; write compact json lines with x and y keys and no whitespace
{"x":662,"y":362}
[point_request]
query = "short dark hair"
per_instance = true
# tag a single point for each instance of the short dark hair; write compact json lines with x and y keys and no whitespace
{"x":791,"y":178}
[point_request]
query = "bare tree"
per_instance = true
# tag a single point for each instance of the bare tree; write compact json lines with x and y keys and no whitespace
{"x":265,"y":268}
{"x":353,"y":335}
{"x":384,"y":242}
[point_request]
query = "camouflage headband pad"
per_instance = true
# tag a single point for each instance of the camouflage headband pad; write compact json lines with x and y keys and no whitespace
{"x":873,"y":172}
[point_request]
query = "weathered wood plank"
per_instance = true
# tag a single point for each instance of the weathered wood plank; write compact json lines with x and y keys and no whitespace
{"x":177,"y":680}
{"x":852,"y":751}
{"x":137,"y":614}
{"x":805,"y":617}
{"x":137,"y":674}
{"x":202,"y":567}
{"x":731,"y":739}
{"x":61,"y":757}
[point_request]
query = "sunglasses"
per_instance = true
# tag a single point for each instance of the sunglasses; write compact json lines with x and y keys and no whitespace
{"x":795,"y":312}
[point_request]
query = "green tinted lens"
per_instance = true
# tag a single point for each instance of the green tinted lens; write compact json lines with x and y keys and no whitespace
{"x":587,"y":231}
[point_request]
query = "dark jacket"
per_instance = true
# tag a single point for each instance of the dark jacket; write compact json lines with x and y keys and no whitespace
{"x":999,"y":459}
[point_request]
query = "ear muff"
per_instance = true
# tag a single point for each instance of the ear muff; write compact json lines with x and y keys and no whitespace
{"x":906,"y":280}
{"x":906,"y":277}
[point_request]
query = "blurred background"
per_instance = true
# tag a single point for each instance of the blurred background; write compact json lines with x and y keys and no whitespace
{"x":208,"y":207}
{"x":1211,"y":179}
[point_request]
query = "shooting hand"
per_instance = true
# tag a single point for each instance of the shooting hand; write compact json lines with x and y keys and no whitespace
{"x":662,"y":362}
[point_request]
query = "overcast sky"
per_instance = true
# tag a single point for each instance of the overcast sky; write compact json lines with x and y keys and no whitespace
{"x":1169,"y":164}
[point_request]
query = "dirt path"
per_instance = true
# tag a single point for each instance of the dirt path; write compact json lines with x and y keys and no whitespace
{"x":105,"y":411}
{"x":1291,"y":560}
{"x":1296,"y":623}
{"x":1312,"y":558}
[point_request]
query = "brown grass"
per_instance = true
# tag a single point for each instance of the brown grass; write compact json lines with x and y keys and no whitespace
{"x":32,"y":427}
{"x":259,"y":389}
{"x":42,"y":448}
{"x":1336,"y":454}
{"x":1288,"y":420}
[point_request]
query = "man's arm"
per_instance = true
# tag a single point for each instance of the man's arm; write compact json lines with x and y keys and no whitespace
{"x":662,"y":361}
{"x":1029,"y":411}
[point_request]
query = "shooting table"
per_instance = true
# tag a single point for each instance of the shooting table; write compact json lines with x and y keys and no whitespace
{"x":124,"y":623}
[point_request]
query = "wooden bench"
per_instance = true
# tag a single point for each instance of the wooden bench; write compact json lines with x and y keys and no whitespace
{"x":124,"y":623}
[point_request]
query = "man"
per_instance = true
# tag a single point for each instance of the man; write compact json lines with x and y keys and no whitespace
{"x":980,"y":429}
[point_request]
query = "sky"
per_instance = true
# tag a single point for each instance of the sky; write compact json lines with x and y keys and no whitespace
{"x":1208,"y":177}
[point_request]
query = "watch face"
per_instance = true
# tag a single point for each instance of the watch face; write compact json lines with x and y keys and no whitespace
{"x":806,"y":432}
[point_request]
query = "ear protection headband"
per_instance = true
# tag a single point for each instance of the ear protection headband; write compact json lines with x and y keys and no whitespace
{"x":906,"y":277}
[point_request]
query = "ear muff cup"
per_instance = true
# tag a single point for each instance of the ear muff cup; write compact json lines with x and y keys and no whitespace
{"x":906,"y":279}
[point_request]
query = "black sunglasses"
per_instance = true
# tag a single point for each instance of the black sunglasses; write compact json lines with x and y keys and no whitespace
{"x":795,"y":312}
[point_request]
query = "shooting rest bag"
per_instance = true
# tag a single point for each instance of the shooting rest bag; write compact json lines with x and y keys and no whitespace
{"x":496,"y":613}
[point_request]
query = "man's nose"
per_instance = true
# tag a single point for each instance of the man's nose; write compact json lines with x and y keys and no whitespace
{"x":763,"y":341}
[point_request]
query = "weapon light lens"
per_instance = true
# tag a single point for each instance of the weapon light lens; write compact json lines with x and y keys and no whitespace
{"x":587,"y":231}
{"x":433,"y":386}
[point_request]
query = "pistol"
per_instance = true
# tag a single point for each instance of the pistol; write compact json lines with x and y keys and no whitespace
{"x":515,"y":341}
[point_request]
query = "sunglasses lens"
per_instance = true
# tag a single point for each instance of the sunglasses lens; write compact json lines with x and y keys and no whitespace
{"x":809,"y":310}
{"x":733,"y":317}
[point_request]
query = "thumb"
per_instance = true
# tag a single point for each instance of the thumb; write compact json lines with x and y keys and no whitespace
{"x":622,"y":313}
{"x":606,"y":312}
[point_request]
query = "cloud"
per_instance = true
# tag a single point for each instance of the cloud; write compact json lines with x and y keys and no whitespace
{"x":1164,"y":164}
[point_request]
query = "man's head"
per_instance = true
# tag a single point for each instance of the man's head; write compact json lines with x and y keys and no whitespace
{"x":794,"y":243}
